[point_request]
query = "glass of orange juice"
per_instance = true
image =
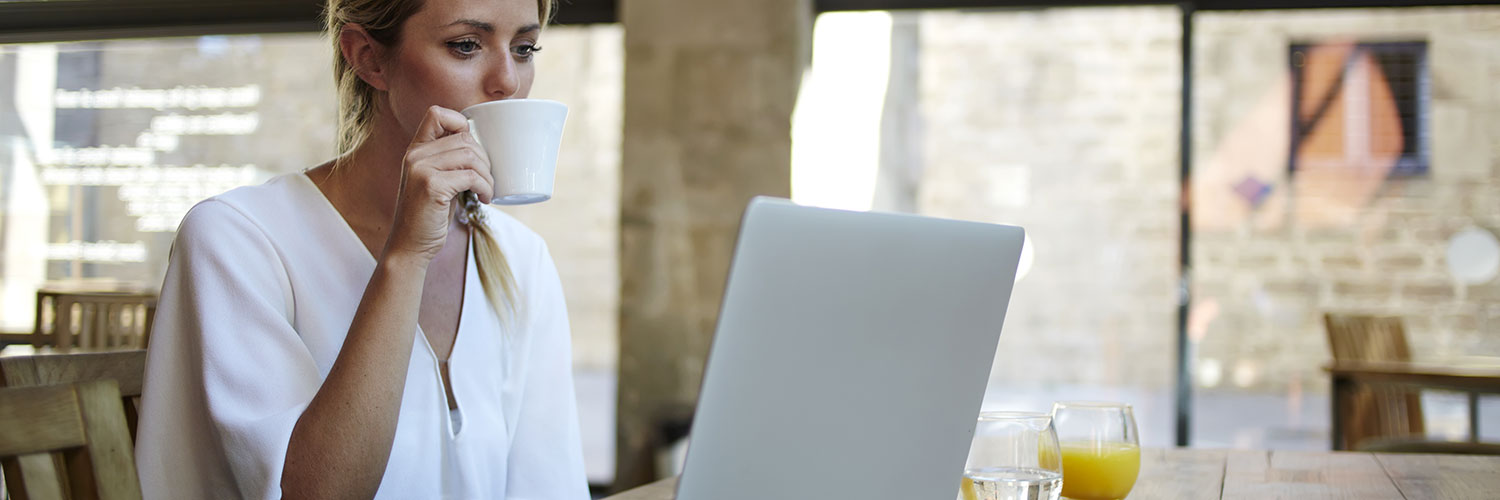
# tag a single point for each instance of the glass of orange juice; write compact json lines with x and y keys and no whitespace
{"x":1101,"y":453}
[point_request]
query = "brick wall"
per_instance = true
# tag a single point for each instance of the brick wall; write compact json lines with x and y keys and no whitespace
{"x":709,"y":91}
{"x":1264,"y":276}
{"x":1064,"y":121}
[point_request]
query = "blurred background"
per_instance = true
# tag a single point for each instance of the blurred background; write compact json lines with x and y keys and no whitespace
{"x":1201,"y":183}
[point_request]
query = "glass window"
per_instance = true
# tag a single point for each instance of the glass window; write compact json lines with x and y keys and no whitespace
{"x":113,"y":142}
{"x":1064,"y":121}
{"x":1338,"y":151}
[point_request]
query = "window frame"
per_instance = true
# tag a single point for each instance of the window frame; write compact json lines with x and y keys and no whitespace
{"x":38,"y":21}
{"x":33,"y":21}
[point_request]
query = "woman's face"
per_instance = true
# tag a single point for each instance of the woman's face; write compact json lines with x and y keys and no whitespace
{"x":457,"y":53}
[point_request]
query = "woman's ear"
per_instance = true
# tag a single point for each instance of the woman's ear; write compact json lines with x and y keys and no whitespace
{"x":364,"y":54}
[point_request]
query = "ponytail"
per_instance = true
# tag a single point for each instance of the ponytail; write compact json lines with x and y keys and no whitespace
{"x":489,"y":261}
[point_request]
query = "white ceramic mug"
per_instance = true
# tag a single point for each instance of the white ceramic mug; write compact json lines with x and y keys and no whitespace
{"x":521,"y":137}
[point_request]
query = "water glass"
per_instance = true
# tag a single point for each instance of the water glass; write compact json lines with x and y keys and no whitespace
{"x":1014,"y":456}
{"x":1101,"y":453}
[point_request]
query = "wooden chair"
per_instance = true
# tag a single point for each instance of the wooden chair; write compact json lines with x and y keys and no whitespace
{"x":93,"y":319}
{"x":125,"y":368}
{"x":85,"y":424}
{"x":1375,"y":413}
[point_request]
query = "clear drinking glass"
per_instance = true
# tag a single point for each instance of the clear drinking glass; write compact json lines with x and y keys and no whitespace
{"x":1101,"y":453}
{"x":1014,"y":457}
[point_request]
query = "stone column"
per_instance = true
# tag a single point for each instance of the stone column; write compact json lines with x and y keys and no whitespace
{"x":709,"y":90}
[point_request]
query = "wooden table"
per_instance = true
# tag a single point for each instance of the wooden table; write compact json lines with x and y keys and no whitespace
{"x":1474,"y":375}
{"x":1246,"y":475}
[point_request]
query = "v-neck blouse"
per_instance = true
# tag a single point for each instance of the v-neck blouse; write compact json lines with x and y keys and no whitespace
{"x":261,"y":287}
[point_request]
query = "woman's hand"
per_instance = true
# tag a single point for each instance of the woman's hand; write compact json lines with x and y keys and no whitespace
{"x":442,"y":162}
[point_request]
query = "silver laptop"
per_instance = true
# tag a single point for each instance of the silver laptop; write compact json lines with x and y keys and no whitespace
{"x":851,"y":356}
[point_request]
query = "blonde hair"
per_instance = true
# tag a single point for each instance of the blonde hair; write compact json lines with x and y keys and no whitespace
{"x":383,"y":19}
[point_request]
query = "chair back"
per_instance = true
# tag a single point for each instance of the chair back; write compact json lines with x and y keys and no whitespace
{"x":1367,"y":338}
{"x":97,"y":320}
{"x":83,"y":423}
{"x":125,"y":368}
{"x":1374,"y":412}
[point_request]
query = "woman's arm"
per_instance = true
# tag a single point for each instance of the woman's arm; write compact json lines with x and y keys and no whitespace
{"x":342,"y":441}
{"x":227,"y":375}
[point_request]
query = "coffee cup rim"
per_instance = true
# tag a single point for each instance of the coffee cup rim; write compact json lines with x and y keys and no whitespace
{"x":512,"y":102}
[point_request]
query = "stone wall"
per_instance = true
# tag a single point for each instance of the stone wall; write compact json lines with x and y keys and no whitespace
{"x":709,"y":91}
{"x":1064,"y":121}
{"x":1265,"y":275}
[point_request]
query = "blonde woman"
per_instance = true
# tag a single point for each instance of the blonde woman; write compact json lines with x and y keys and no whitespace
{"x":356,"y":330}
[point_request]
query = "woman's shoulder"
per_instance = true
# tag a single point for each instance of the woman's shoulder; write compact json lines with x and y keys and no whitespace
{"x":279,"y":202}
{"x":274,"y":197}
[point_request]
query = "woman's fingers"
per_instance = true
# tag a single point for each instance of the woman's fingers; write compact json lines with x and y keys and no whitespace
{"x":460,"y":140}
{"x":484,"y":170}
{"x":439,"y":122}
{"x":454,"y":171}
{"x":442,"y":161}
{"x":457,"y":151}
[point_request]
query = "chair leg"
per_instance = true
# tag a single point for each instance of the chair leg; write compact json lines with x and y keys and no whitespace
{"x":1339,"y":400}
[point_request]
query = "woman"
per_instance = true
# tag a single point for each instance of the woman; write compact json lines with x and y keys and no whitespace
{"x":355,"y":330}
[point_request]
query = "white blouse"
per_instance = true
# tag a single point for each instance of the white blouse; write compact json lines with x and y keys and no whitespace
{"x":262,"y":285}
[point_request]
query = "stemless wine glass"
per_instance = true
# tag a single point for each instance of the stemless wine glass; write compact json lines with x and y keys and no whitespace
{"x":1014,"y":456}
{"x":1101,"y":453}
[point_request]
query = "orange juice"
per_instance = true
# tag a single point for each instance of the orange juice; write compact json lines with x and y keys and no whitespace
{"x":967,"y":489}
{"x":1099,"y":471}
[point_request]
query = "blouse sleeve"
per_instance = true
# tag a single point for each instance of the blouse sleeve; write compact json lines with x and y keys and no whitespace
{"x":227,"y":377}
{"x":546,"y":456}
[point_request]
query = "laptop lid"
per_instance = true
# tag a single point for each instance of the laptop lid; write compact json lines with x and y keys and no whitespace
{"x":851,"y":355}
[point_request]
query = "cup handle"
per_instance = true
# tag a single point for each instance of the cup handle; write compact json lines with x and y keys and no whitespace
{"x":469,"y":197}
{"x":474,"y":134}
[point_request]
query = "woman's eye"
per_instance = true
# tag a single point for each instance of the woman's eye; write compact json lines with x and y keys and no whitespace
{"x":526,"y":51}
{"x":464,"y":47}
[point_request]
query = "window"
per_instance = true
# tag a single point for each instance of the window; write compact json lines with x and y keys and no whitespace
{"x":1384,"y":170}
{"x":1361,"y":105}
{"x":1063,"y":121}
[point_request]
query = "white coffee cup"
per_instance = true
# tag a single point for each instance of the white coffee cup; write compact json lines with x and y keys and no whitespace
{"x":521,"y":137}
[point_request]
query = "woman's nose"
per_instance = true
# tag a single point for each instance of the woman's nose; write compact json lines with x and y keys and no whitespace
{"x":502,"y":81}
